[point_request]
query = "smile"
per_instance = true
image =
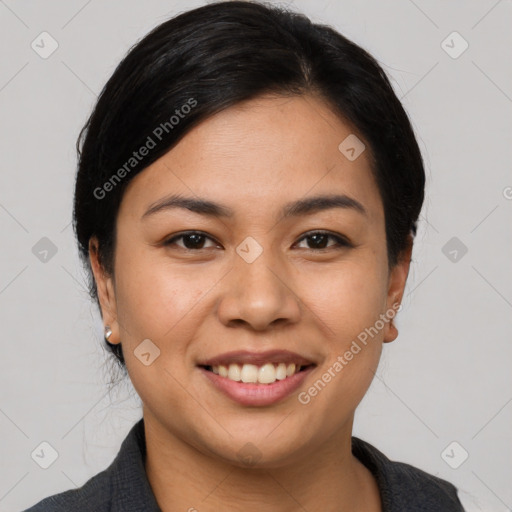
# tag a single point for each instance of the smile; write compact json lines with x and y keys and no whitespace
{"x":267,"y":373}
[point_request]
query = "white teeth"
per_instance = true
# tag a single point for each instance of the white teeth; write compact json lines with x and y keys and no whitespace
{"x":234,"y":372}
{"x":250,"y":373}
{"x":290,"y":369}
{"x":281,"y":371}
{"x":267,"y":374}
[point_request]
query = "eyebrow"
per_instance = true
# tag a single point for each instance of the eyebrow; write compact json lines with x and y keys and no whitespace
{"x":301,"y":207}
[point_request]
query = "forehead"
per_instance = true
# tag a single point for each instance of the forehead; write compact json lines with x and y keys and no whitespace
{"x":261,"y":154}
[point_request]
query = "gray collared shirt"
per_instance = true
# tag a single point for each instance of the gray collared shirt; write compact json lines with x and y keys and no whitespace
{"x":124,"y":487}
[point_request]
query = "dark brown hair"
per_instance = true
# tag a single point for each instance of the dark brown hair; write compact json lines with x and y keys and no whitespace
{"x":219,"y":55}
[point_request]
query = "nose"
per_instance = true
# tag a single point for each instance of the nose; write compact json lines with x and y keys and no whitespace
{"x":259,"y":295}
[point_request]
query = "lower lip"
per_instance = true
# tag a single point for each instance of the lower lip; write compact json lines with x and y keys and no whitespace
{"x":257,"y":394}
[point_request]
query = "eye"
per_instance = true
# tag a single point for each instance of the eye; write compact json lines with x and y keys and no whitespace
{"x":319,"y":239}
{"x":195,"y":240}
{"x":192,"y":240}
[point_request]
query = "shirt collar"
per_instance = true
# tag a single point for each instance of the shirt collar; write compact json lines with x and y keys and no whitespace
{"x":131,"y":491}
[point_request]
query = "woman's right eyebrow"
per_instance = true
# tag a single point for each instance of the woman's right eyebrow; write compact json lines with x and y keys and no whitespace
{"x":301,"y":207}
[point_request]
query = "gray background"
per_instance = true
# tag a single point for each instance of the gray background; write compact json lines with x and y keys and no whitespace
{"x":446,"y":378}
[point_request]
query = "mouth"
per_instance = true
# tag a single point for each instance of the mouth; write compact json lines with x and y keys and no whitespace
{"x":257,"y":367}
{"x":254,"y":379}
{"x":248,"y":373}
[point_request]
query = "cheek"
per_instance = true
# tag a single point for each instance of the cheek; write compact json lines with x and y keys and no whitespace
{"x":349,"y":303}
{"x":154,"y":298}
{"x":348,"y":298}
{"x":159,"y":302}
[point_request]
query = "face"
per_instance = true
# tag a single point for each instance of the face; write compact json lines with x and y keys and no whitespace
{"x":253,"y":273}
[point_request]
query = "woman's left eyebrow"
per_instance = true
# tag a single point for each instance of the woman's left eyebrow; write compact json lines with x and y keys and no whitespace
{"x":301,"y":207}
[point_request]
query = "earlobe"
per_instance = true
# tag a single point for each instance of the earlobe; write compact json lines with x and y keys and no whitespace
{"x":396,"y":287}
{"x":391,"y":332}
{"x":106,"y":292}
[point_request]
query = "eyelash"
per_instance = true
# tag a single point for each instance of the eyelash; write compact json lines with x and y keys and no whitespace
{"x":341,"y":242}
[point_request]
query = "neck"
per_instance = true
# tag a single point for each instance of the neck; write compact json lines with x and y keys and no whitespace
{"x":328,"y":477}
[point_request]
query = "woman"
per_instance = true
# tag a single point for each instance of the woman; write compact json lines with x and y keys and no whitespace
{"x":246,"y":201}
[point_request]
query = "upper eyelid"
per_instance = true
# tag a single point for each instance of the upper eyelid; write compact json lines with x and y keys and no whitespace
{"x":336,"y":236}
{"x":339,"y":237}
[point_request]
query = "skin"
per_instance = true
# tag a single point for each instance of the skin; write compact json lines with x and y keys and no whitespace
{"x":197,"y":303}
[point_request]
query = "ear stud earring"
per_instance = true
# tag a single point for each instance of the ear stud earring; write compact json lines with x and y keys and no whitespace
{"x":108,"y":332}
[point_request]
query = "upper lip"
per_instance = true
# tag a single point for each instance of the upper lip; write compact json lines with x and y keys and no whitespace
{"x":256,"y":358}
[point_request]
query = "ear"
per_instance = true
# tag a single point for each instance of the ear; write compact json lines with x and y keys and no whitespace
{"x":396,"y":285}
{"x":106,"y":292}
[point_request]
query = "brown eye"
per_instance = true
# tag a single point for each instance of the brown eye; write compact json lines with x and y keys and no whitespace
{"x":318,"y":240}
{"x":192,"y":240}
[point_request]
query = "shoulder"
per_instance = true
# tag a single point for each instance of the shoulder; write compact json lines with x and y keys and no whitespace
{"x":94,"y":495}
{"x":122,"y":487}
{"x":405,"y":487}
